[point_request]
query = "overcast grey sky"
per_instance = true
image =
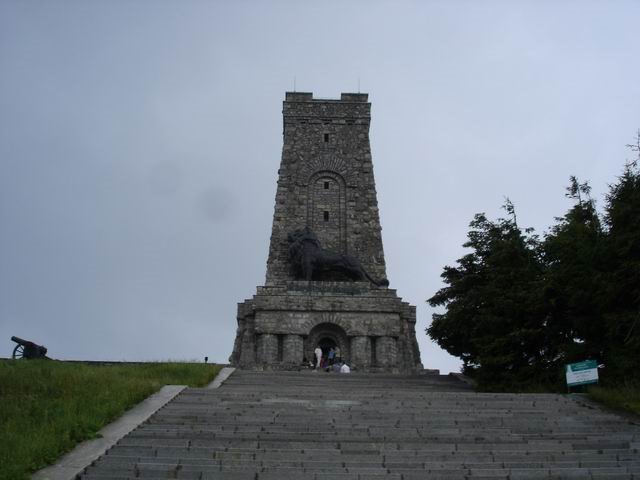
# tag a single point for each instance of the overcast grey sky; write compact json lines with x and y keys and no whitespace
{"x":140,"y":143}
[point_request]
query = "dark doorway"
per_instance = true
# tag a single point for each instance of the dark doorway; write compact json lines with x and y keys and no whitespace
{"x":326,"y":344}
{"x":327,"y":335}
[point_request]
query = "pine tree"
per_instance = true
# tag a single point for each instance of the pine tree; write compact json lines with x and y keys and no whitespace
{"x":492,"y":297}
{"x":517,"y":309}
{"x":574,"y":257}
{"x":622,"y":218}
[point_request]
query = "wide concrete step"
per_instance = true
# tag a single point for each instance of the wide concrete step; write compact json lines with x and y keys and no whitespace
{"x":307,"y":425}
{"x":195,"y":471}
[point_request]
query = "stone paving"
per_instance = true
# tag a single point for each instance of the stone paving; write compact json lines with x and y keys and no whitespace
{"x":308,"y":425}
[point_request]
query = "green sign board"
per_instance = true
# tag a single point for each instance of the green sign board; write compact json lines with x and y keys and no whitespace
{"x":582,"y":373}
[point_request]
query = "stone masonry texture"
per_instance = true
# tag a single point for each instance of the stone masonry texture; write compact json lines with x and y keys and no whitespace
{"x":285,"y":425}
{"x":326,"y":183}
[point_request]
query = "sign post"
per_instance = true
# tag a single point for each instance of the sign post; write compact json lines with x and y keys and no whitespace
{"x":581,"y":373}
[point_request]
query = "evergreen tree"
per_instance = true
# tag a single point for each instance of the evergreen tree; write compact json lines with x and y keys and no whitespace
{"x":517,"y":309}
{"x":622,"y":218}
{"x":573,"y":254}
{"x":492,"y":297}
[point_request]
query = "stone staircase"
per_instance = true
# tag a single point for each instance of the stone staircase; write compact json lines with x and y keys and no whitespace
{"x":308,"y":425}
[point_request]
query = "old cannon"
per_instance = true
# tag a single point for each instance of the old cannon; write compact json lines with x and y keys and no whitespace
{"x":27,"y":349}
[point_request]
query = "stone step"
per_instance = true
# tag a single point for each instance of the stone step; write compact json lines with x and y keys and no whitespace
{"x":355,"y":460}
{"x":172,"y":440}
{"x":197,"y":471}
{"x":361,"y":450}
{"x":267,"y":425}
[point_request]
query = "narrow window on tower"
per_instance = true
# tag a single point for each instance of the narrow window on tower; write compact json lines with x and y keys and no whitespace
{"x":280,"y":347}
{"x":326,"y":216}
{"x":326,"y":138}
{"x":326,"y":185}
{"x":374,"y":359}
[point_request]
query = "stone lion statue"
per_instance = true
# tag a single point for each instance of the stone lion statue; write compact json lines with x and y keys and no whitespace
{"x":309,"y":260}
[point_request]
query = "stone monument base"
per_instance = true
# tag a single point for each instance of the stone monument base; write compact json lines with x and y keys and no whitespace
{"x":281,"y":326}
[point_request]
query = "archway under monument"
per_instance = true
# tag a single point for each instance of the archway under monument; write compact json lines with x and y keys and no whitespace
{"x":327,"y":335}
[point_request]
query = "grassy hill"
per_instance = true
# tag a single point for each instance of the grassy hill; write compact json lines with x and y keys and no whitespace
{"x":624,"y":397}
{"x":47,"y":406}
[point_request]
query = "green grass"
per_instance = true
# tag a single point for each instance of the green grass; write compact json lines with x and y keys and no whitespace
{"x":625,"y":397}
{"x":622,"y":396}
{"x":47,"y":407}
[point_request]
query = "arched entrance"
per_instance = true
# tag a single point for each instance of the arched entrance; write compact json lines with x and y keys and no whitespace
{"x":327,"y":335}
{"x":327,"y":343}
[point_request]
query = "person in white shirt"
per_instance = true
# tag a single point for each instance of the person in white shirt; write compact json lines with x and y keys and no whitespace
{"x":318,"y":352}
{"x":345,"y":369}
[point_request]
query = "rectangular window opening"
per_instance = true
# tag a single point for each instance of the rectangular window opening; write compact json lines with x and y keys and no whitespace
{"x":326,"y":138}
{"x":326,"y":185}
{"x":326,"y":216}
{"x":374,"y":359}
{"x":280,"y":348}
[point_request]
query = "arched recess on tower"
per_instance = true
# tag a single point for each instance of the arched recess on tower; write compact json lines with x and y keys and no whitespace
{"x":327,"y":209}
{"x":326,"y":333}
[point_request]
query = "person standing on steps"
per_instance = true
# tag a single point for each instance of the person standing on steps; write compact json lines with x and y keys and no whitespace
{"x":332,"y":354}
{"x":318,"y":352}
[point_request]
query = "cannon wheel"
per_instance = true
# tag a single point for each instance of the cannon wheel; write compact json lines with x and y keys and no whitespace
{"x":18,"y":352}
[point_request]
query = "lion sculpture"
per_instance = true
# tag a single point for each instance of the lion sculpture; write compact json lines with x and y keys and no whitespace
{"x":309,"y":260}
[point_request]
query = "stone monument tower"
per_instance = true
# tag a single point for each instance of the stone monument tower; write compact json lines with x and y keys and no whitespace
{"x":326,"y":276}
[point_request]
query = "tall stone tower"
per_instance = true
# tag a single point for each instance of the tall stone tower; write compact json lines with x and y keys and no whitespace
{"x":336,"y":295}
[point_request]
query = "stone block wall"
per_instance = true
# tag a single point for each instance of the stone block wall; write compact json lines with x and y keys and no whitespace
{"x":361,"y":352}
{"x":386,"y":352}
{"x":293,"y":349}
{"x":267,"y":352}
{"x":326,"y":182}
{"x":373,"y":327}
